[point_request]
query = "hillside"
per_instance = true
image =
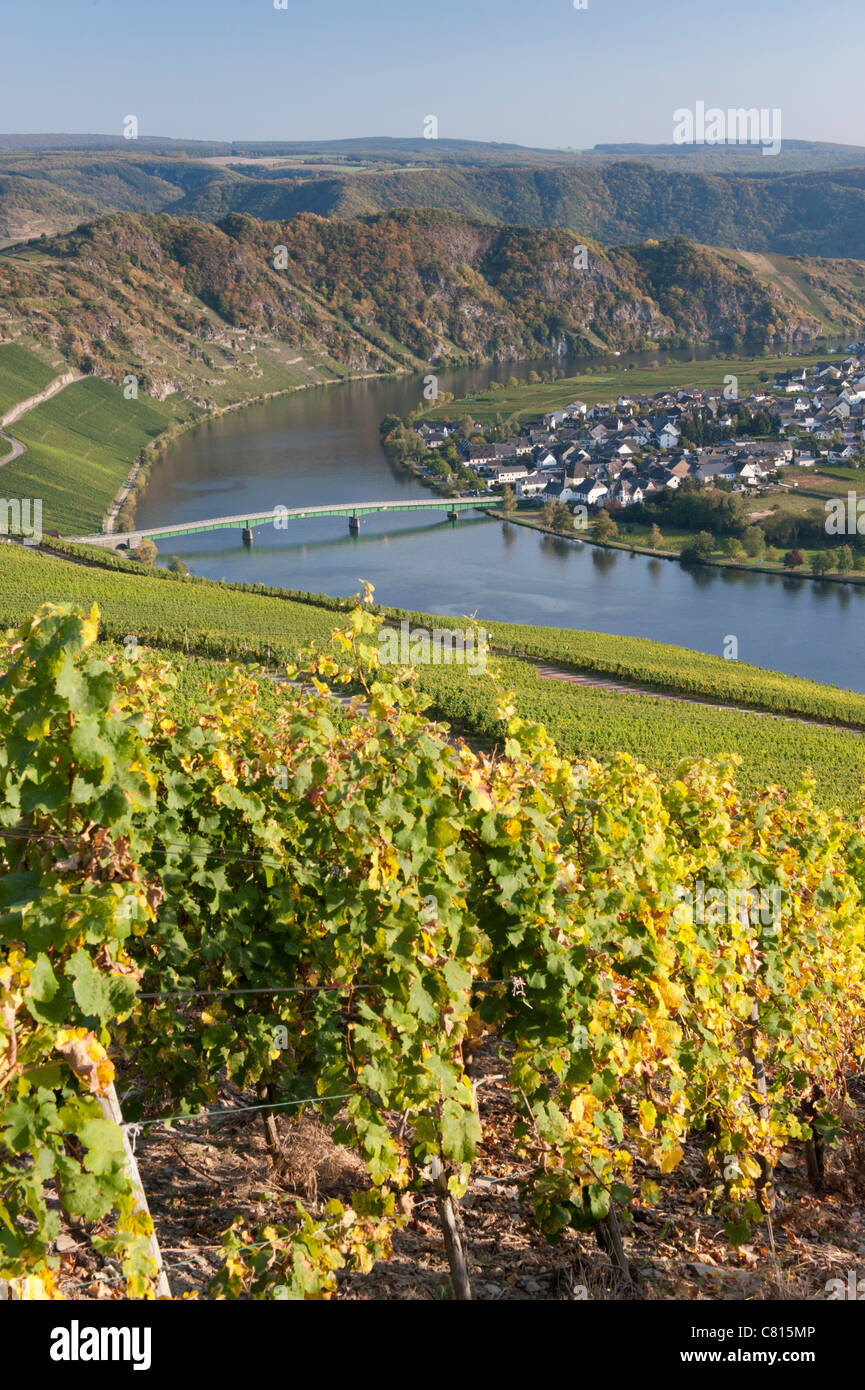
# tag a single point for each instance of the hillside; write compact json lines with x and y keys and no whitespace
{"x":183,"y":305}
{"x":808,"y":201}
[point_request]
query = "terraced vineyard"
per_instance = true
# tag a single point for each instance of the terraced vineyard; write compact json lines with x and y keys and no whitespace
{"x":677,"y":668}
{"x":87,"y":432}
{"x":162,"y":611}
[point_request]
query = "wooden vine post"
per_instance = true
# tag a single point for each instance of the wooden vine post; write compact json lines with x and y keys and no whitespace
{"x":764,"y":1182}
{"x":110,"y":1107}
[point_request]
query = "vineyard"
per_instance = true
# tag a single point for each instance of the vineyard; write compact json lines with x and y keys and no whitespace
{"x":664,"y":667}
{"x":22,"y":375}
{"x":591,"y":722}
{"x":260,"y":908}
{"x":210,"y":619}
{"x":655,"y":665}
{"x":219,"y":622}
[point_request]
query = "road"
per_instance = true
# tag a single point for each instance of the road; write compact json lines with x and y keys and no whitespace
{"x":17,"y":449}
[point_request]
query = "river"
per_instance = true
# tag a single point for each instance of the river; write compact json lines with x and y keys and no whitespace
{"x":322,"y":445}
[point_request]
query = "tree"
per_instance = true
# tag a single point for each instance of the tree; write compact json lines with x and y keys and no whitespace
{"x":733,"y":548}
{"x":177,"y":566}
{"x":146,"y":551}
{"x":389,"y":424}
{"x":700,"y":549}
{"x":844,"y":559}
{"x":754,"y":541}
{"x":548,"y":514}
{"x":656,"y":539}
{"x":762,"y":423}
{"x":509,"y":501}
{"x":772,"y":554}
{"x":821,"y":562}
{"x":793,"y":559}
{"x":448,"y":451}
{"x":604,"y":527}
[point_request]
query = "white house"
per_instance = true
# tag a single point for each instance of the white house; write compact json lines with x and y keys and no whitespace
{"x":590,"y":491}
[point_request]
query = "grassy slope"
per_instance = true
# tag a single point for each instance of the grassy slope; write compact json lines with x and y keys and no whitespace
{"x":21,"y":375}
{"x":220,"y":621}
{"x":80,"y":447}
{"x":159,"y":610}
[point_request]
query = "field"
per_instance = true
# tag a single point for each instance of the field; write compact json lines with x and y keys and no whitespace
{"x":21,"y":375}
{"x":527,"y":402}
{"x":80,"y":447}
{"x":218,"y":622}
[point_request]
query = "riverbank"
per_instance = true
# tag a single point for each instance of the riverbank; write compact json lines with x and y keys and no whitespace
{"x":135,"y":486}
{"x":764,"y":567}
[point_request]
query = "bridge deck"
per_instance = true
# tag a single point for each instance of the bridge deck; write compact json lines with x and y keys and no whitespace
{"x":280,"y":513}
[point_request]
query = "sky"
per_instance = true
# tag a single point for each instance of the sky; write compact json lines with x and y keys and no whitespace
{"x":529,"y":72}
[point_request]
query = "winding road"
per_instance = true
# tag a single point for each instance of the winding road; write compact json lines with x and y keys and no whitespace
{"x":17,"y":448}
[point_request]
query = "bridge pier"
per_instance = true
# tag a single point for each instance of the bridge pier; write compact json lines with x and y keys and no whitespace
{"x":354,"y":526}
{"x":453,"y":516}
{"x":246,"y":535}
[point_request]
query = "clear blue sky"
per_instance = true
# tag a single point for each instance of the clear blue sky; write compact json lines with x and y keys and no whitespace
{"x":535,"y":72}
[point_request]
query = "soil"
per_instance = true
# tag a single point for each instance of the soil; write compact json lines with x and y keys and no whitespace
{"x":198,"y":1179}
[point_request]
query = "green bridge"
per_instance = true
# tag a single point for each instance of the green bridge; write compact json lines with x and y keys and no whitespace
{"x":279,"y":517}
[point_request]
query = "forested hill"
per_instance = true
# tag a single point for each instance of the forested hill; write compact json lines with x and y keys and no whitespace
{"x":810,"y":214}
{"x":755,"y":208}
{"x":132,"y":293}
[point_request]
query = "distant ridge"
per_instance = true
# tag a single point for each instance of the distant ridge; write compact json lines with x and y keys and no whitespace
{"x":805,"y":155}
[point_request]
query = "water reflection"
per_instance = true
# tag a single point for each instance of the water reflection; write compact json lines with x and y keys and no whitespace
{"x":556,"y":548}
{"x":603,"y":560}
{"x":703,"y":576}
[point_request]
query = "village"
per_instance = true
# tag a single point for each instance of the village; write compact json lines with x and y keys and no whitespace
{"x":615,"y":455}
